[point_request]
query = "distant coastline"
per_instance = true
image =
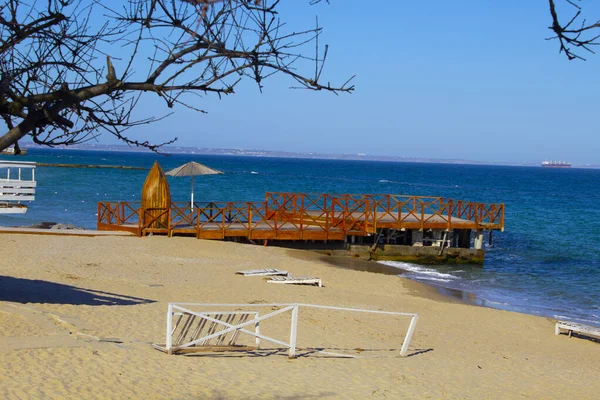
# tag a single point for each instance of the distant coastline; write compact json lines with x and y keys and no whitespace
{"x":285,"y":154}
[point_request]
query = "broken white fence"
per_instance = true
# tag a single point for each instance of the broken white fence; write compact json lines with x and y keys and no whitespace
{"x":193,"y":330}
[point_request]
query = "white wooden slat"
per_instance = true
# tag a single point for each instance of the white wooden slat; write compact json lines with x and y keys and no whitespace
{"x":17,"y":164}
{"x":262,"y":272}
{"x":21,"y":190}
{"x":306,"y":280}
{"x":576,"y":327}
{"x":14,"y":197}
{"x":239,"y":327}
{"x":14,"y":209}
{"x":16,"y":183}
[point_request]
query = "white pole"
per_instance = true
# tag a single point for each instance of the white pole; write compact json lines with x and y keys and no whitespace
{"x":293,"y":331}
{"x":169,"y":340}
{"x":411,"y":329}
{"x":257,"y":330}
{"x":192,"y":202}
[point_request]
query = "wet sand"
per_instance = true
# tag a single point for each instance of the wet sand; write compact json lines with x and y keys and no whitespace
{"x":429,"y":291}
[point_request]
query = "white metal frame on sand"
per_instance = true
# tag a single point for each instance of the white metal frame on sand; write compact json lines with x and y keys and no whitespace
{"x":235,"y":328}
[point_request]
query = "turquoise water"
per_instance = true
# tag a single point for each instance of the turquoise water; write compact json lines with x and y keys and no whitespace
{"x":547,"y":262}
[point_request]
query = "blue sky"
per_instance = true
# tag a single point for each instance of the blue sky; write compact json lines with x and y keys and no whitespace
{"x":468,"y":79}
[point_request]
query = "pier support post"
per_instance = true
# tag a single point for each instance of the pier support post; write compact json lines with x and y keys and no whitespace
{"x":464,"y":238}
{"x":478,"y":242}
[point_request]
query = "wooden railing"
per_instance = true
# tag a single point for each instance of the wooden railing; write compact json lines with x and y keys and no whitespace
{"x":120,"y":213}
{"x":387,"y":210}
{"x":283,"y":214}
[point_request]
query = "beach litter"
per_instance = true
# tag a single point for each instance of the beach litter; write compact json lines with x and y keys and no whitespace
{"x":262,"y":272}
{"x":198,"y":327}
{"x":110,"y":340}
{"x":297,"y":280}
{"x":580,"y":329}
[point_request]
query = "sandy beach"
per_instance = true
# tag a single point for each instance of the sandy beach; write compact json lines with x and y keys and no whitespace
{"x":78,"y":316}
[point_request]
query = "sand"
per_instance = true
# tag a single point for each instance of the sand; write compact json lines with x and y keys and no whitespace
{"x":60,"y":295}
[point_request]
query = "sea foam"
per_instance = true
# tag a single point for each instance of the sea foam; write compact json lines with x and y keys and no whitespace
{"x":420,"y":272}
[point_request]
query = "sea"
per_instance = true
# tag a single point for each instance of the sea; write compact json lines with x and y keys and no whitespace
{"x":546,"y":262}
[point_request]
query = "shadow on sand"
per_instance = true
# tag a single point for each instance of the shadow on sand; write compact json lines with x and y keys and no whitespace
{"x":21,"y":290}
{"x":321,"y":352}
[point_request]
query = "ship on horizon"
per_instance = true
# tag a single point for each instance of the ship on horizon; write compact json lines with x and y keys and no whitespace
{"x":556,"y":164}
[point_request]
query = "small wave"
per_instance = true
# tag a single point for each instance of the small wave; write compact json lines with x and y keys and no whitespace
{"x":577,"y":319}
{"x":254,"y":172}
{"x":418,"y":270}
{"x":495,"y":303}
{"x":557,"y":316}
{"x":385,"y":181}
{"x":425,"y":278}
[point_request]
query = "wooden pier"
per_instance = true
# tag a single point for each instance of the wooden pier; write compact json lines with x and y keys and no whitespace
{"x":344,"y":218}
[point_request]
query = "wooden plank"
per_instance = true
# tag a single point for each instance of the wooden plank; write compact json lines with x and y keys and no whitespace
{"x":235,"y":232}
{"x":182,"y":232}
{"x":147,"y":231}
{"x":336,"y":235}
{"x":289,"y":235}
{"x":262,"y":272}
{"x":123,"y":228}
{"x":577,"y":328}
{"x":262,"y":235}
{"x":296,"y":280}
{"x":210,"y":234}
{"x":314,"y":235}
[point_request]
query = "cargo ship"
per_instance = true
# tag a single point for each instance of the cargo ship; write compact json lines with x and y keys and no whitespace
{"x":556,"y":164}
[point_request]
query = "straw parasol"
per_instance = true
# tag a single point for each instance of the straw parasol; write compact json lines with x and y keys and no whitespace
{"x":192,"y":169}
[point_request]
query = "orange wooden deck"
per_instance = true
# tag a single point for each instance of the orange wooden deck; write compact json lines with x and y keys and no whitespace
{"x":301,"y":216}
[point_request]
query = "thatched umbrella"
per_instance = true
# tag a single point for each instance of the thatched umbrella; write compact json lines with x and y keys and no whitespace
{"x":192,"y":169}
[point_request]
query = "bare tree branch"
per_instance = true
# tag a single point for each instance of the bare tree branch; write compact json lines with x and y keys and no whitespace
{"x":576,"y":32}
{"x":72,"y":69}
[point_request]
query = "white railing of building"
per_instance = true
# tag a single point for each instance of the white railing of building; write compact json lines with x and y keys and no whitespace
{"x":16,"y":186}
